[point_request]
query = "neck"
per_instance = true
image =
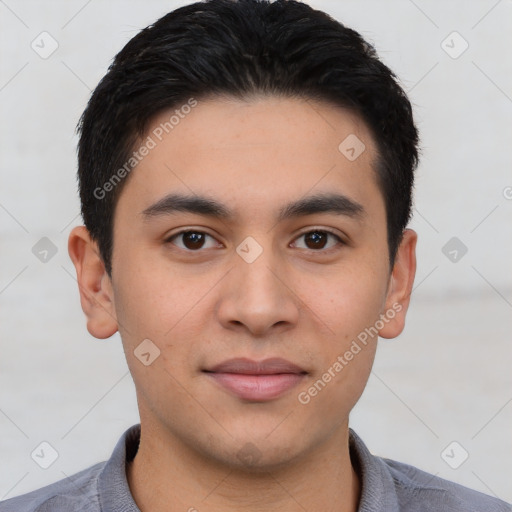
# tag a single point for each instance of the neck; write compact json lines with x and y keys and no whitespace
{"x":168,"y":476}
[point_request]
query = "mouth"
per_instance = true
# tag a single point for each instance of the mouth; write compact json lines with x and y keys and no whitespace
{"x":256,"y":381}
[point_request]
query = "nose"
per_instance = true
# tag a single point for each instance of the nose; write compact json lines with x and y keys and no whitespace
{"x":256,"y":296}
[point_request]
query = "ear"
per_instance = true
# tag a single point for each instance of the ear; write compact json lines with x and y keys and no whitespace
{"x":400,"y":286}
{"x":96,"y":294}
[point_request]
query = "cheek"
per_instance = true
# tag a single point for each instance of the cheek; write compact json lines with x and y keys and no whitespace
{"x":345,"y":299}
{"x":149,"y":295}
{"x":349,"y":384}
{"x":345,"y":356}
{"x":331,"y":394}
{"x":350,"y":304}
{"x":154,"y":303}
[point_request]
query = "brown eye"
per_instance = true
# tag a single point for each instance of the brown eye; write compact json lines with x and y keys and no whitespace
{"x":318,"y":239}
{"x":191,"y":240}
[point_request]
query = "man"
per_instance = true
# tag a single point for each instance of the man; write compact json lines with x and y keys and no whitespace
{"x":246,"y":172}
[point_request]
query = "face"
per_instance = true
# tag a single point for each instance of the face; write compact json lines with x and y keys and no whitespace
{"x":250,"y":277}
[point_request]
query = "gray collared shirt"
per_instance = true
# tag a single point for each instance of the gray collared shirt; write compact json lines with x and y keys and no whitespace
{"x":387,"y":486}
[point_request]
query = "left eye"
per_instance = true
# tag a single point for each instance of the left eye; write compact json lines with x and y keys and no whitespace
{"x":194,"y":240}
{"x":317,"y":239}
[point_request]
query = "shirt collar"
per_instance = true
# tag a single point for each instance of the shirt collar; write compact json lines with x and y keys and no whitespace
{"x":378,"y":490}
{"x":114,"y":492}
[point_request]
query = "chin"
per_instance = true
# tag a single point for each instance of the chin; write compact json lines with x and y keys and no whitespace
{"x":252,"y":460}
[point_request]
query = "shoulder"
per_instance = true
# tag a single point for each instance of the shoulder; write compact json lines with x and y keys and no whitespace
{"x":77,"y":492}
{"x":416,"y":489}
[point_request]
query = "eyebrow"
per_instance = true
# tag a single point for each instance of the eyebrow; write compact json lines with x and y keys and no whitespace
{"x":338,"y":204}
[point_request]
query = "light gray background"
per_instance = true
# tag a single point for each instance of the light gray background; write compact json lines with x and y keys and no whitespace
{"x":447,"y":378}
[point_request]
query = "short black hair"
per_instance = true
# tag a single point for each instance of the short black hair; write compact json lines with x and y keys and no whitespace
{"x":241,"y":48}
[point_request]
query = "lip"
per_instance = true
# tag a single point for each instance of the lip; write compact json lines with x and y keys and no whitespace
{"x":256,"y":381}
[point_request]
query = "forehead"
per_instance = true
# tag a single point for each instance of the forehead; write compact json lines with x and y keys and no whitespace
{"x":254,"y":151}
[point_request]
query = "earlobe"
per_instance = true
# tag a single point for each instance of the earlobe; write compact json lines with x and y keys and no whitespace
{"x":96,"y":294}
{"x":400,"y":286}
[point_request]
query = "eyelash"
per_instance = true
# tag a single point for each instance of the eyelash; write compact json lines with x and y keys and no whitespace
{"x":325,"y":231}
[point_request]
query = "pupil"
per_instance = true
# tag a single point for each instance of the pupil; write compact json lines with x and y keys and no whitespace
{"x":316,"y":237}
{"x":195,"y":239}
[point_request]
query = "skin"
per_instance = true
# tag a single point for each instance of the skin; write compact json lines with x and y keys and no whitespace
{"x":295,"y":301}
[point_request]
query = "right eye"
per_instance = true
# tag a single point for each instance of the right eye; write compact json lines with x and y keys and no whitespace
{"x":192,"y":240}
